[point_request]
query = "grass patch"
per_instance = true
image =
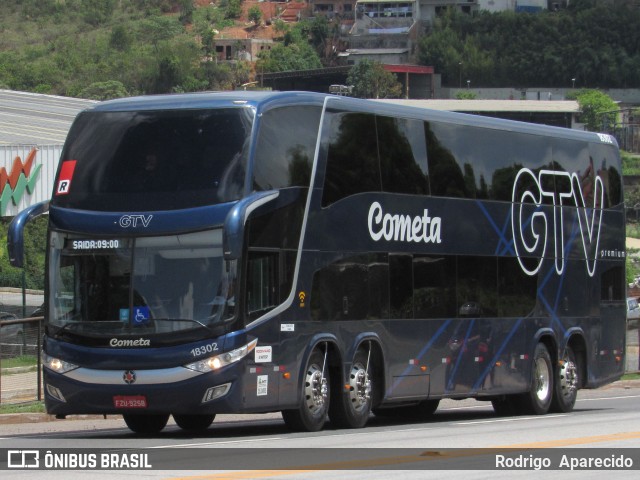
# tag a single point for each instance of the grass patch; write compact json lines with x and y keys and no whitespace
{"x":630,"y":163}
{"x":633,"y":229}
{"x":24,"y":361}
{"x":33,"y":407}
{"x":631,"y":376}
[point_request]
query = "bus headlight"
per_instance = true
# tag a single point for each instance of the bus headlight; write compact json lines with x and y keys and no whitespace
{"x":57,"y":365}
{"x":214,"y":363}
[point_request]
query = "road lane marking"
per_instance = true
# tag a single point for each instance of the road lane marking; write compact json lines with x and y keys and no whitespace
{"x":511,"y":419}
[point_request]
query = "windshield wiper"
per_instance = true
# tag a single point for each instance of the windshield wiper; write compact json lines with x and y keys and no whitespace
{"x":190,"y":320}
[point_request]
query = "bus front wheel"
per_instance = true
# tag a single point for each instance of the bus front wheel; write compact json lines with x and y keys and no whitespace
{"x":146,"y":424}
{"x":311,"y":415}
{"x":194,"y":423}
{"x":352,"y":403}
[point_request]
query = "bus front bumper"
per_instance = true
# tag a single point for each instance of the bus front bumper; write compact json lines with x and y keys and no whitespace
{"x":172,"y":390}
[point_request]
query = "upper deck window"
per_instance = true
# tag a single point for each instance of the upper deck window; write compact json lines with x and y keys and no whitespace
{"x":286,"y":147}
{"x":373,"y":153}
{"x":156,"y":160}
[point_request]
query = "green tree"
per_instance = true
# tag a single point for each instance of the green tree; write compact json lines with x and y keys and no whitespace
{"x":121,"y":38}
{"x":97,"y":12}
{"x":595,"y":43}
{"x":466,"y":95}
{"x":234,"y":9}
{"x":159,"y":28}
{"x":34,"y":256}
{"x":324,"y":36}
{"x":104,"y":90}
{"x":186,"y":11}
{"x":255,"y":14}
{"x":371,"y":80}
{"x":594,"y":105}
{"x":283,"y":58}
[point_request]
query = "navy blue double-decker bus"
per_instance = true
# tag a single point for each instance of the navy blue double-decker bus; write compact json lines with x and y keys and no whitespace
{"x":326,"y":257}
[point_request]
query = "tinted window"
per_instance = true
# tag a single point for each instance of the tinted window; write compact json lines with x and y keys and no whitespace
{"x":434,"y":286}
{"x":156,"y":160}
{"x":369,"y":153}
{"x":401,"y":286}
{"x":279,"y":228}
{"x":604,"y":160}
{"x":352,"y":156}
{"x":447,"y":179}
{"x":355,"y":288}
{"x":516,"y":290}
{"x":262,"y":283}
{"x":474,"y":162}
{"x":286,"y":147}
{"x":403,"y":155}
{"x":612,"y":285}
{"x":477,"y":286}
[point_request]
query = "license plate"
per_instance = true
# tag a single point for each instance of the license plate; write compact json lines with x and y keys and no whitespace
{"x":130,"y":401}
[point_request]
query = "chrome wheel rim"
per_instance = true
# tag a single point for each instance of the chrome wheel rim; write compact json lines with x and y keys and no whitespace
{"x":315,"y":390}
{"x":359,"y":387}
{"x":542,"y":385}
{"x":568,"y":378}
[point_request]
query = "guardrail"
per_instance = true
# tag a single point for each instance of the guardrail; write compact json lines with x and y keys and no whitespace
{"x":20,"y":362}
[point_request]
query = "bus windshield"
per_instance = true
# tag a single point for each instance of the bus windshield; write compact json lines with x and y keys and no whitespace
{"x":129,"y":286}
{"x":155,"y":159}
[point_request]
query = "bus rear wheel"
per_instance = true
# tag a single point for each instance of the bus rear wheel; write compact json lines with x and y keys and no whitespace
{"x":537,"y":400}
{"x":352,"y":404}
{"x":194,"y":423}
{"x":311,"y":415}
{"x":146,"y":424}
{"x":567,"y":382}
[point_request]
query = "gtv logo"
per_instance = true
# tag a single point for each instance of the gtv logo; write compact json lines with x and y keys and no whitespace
{"x":134,"y":221}
{"x":530,"y":225}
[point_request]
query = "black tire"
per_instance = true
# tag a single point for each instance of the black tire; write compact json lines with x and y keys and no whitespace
{"x":311,"y":415}
{"x":537,"y":400}
{"x":194,"y":423}
{"x":351,"y":408}
{"x":566,"y":383}
{"x":146,"y":424}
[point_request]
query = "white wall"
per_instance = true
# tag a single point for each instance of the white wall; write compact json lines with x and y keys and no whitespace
{"x":497,"y":5}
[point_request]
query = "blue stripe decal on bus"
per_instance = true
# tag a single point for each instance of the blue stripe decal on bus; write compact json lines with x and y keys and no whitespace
{"x":496,"y":356}
{"x":450,"y":383}
{"x":501,"y":233}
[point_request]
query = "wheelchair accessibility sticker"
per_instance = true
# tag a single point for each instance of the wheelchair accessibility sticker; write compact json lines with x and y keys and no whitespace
{"x":141,"y":315}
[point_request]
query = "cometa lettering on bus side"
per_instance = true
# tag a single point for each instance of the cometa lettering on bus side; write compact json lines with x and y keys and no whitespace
{"x":403,"y":228}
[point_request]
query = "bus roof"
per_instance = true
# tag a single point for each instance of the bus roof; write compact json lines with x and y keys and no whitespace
{"x":203,"y":100}
{"x":262,"y":100}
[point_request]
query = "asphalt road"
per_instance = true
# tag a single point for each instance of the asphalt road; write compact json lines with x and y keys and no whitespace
{"x":605,"y":422}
